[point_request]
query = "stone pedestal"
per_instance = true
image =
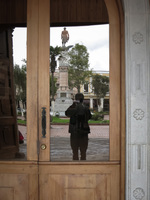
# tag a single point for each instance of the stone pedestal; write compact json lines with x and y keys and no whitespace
{"x":62,"y":102}
{"x":64,"y":94}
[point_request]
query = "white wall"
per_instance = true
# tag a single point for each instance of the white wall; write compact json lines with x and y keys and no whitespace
{"x":137,"y":53}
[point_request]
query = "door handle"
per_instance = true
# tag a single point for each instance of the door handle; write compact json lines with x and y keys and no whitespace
{"x":44,"y":122}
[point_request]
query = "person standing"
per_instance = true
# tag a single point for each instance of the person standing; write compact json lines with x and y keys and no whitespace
{"x":78,"y":126}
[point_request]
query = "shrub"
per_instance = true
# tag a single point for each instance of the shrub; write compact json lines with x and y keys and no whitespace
{"x":25,"y":115}
{"x":57,"y":114}
{"x":97,"y":116}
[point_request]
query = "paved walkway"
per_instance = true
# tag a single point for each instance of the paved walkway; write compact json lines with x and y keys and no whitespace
{"x":98,"y":147}
{"x":97,"y":131}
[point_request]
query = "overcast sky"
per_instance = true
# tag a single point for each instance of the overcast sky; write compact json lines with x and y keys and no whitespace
{"x":95,"y":38}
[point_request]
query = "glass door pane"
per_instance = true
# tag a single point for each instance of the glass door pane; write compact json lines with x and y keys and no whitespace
{"x":13,"y":94}
{"x":94,"y":47}
{"x":20,"y":72}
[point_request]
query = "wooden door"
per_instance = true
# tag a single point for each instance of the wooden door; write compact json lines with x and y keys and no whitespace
{"x":8,"y":124}
{"x":70,"y":180}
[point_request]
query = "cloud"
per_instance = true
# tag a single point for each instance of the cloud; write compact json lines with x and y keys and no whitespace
{"x":19,"y":45}
{"x":98,"y":44}
{"x":95,"y":38}
{"x":99,"y":59}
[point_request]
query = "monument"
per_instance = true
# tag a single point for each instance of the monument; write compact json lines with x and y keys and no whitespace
{"x":64,"y":94}
{"x":64,"y":37}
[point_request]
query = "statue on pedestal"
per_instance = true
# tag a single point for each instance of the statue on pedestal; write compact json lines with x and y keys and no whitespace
{"x":63,"y":58}
{"x":64,"y":94}
{"x":64,"y":37}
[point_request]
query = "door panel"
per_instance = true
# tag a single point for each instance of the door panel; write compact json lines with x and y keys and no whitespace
{"x":87,"y":181}
{"x":32,"y":80}
{"x":72,"y":180}
{"x":8,"y":124}
{"x":43,"y":78}
{"x":38,"y":79}
{"x":18,"y":180}
{"x":114,"y":55}
{"x":38,"y":178}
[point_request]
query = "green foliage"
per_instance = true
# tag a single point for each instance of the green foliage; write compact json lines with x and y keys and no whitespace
{"x":55,"y":50}
{"x":99,"y":122}
{"x":20,"y":82}
{"x":51,"y":84}
{"x":78,"y":71}
{"x":100,"y":85}
{"x":97,"y":116}
{"x":59,"y":120}
{"x":23,"y":122}
{"x":57,"y":114}
{"x":66,"y":121}
{"x":19,"y":114}
{"x":25,"y":115}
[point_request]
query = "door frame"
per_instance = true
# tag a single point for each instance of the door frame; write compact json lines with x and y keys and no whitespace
{"x":38,"y":23}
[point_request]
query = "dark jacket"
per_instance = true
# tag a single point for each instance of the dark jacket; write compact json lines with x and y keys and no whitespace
{"x":79,"y":115}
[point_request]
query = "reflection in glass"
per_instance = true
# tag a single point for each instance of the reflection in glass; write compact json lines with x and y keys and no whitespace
{"x":20,"y":72}
{"x":79,"y":128}
{"x":76,"y":136}
{"x":13,"y":95}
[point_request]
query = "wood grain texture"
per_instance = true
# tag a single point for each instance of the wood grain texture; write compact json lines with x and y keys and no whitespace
{"x":32,"y":79}
{"x":37,"y":78}
{"x":115,"y":84}
{"x":18,"y":181}
{"x":123,"y":108}
{"x":9,"y":144}
{"x":65,"y":180}
{"x":44,"y":77}
{"x":63,"y":13}
{"x":13,"y":12}
{"x":82,"y":182}
{"x":78,"y":12}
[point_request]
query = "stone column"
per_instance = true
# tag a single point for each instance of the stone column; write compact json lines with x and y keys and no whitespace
{"x":63,"y":77}
{"x":90,"y":85}
{"x":91,"y":103}
{"x":137,"y":34}
{"x":102,"y":104}
{"x":64,"y":94}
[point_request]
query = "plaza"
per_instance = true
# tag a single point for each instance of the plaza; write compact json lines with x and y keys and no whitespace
{"x":60,"y":150}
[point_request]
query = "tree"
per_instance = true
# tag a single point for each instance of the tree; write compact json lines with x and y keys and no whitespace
{"x":100,"y":86}
{"x":78,"y":71}
{"x":20,"y":83}
{"x":54,"y":51}
{"x":53,"y":90}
